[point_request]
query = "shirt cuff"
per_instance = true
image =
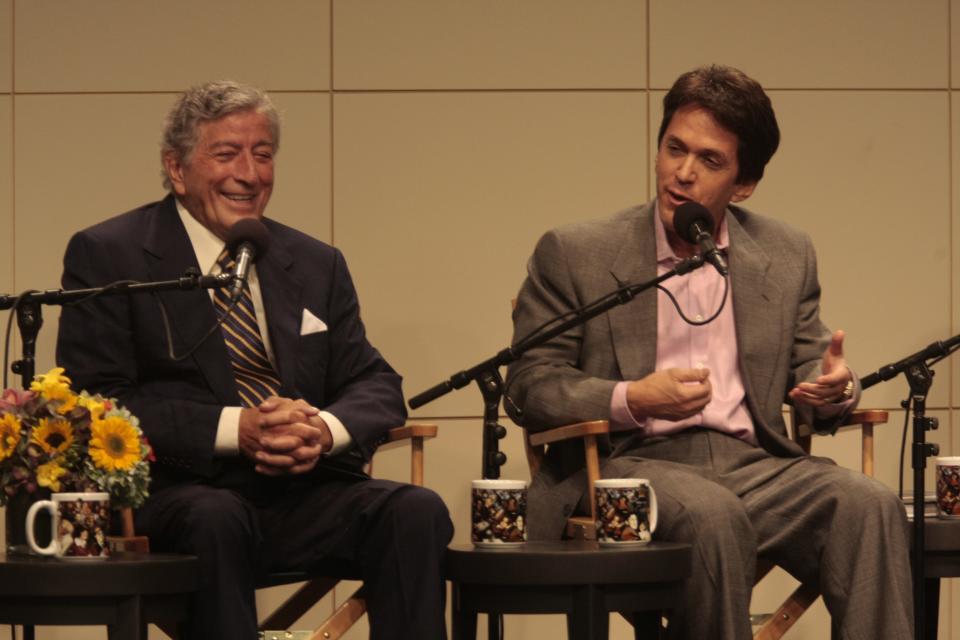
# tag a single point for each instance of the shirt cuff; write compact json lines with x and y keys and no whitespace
{"x":620,"y":414}
{"x":341,"y":437}
{"x":227,"y":442}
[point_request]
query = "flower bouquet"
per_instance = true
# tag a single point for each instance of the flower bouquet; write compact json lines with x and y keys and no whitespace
{"x":53,"y":440}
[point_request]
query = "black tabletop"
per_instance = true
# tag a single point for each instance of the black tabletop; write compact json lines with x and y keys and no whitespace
{"x":568,"y":562}
{"x":142,"y":574}
{"x":941,"y":535}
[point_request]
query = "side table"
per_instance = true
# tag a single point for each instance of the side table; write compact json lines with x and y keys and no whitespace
{"x":578,"y":578}
{"x":124,"y":592}
{"x":941,"y":560}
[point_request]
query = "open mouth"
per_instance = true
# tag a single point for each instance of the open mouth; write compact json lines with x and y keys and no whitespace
{"x":678,"y":198}
{"x":239,"y":197}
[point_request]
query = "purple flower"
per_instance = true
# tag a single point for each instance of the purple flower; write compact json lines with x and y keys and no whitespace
{"x":14,"y":399}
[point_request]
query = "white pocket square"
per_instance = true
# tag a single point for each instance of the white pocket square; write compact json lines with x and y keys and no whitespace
{"x":311,"y":324}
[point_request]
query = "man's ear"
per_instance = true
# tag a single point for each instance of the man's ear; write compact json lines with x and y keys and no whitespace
{"x":174,"y":169}
{"x":743,"y":191}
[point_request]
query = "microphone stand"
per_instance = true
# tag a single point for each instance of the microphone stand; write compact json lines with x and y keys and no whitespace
{"x":30,"y":316}
{"x":487,"y":375}
{"x":916,"y":368}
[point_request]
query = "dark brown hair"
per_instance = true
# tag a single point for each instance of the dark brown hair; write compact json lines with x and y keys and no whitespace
{"x":739,"y":104}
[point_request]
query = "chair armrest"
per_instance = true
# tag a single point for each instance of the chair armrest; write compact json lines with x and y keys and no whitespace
{"x":588,"y":432}
{"x":416,"y":434}
{"x":857,"y":419}
{"x":862,"y":419}
{"x":866,"y":416}
{"x":570,"y":432}
{"x":412,"y":431}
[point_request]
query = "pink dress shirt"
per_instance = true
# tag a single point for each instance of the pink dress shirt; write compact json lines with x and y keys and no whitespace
{"x":681,"y":345}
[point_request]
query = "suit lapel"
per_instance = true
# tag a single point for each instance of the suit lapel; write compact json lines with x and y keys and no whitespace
{"x":757,"y":309}
{"x":281,"y":292}
{"x":633,"y":326}
{"x":168,"y":254}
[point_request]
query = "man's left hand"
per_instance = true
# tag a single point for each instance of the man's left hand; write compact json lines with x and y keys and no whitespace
{"x":294,"y":445}
{"x":829,"y":387}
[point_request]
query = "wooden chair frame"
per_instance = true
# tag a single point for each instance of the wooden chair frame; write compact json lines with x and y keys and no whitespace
{"x":583,"y":527}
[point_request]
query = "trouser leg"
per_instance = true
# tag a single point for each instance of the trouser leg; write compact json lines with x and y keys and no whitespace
{"x":695,"y":510}
{"x":390,"y":535}
{"x":401,"y":564}
{"x":220,"y":528}
{"x":831,"y":527}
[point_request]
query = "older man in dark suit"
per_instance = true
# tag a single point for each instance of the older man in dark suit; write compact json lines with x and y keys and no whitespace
{"x":262,"y":431}
{"x":700,"y":403}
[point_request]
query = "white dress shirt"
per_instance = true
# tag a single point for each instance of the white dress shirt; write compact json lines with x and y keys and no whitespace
{"x":208,"y":248}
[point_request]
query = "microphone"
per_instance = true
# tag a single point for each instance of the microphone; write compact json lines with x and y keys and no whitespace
{"x":247,"y":241}
{"x":693,"y":223}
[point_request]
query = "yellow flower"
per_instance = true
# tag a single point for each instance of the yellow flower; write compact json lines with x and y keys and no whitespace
{"x":9,"y":434}
{"x":94,"y":406}
{"x":52,"y":435}
{"x":48,"y":475}
{"x":54,"y":386}
{"x":114,"y":444}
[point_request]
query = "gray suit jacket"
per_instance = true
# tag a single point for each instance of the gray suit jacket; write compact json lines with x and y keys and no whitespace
{"x":780,"y":338}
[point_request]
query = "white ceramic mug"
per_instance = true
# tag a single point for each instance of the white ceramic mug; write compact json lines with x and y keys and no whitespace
{"x":948,"y":488}
{"x":81,"y":522}
{"x":626,"y":511}
{"x":498,"y":513}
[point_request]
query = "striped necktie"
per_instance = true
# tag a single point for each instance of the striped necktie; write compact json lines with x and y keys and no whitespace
{"x":256,"y":379}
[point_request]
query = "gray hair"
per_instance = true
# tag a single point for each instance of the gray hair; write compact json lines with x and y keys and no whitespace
{"x":206,"y":102}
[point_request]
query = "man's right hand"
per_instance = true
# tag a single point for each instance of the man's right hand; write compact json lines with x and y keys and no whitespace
{"x":282,"y":437}
{"x":672,"y":394}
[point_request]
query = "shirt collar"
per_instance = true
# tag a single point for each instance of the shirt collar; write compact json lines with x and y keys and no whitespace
{"x":665,"y":252}
{"x":206,"y":245}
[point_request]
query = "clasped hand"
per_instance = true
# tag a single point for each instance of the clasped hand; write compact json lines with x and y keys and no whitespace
{"x":283,"y":436}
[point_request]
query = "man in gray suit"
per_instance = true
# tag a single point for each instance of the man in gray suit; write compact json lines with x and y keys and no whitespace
{"x":699,"y":406}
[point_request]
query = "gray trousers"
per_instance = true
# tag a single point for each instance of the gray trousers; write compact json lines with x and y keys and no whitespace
{"x":826,"y":525}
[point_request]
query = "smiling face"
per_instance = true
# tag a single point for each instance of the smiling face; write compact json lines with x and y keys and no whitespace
{"x":697,"y":161}
{"x":230,"y":173}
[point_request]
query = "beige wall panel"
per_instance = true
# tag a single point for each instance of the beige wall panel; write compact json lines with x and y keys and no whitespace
{"x":112,"y":45}
{"x":79,"y":160}
{"x":301,"y":192}
{"x":6,"y":222}
{"x":879,"y":223}
{"x":955,"y":48}
{"x":69,"y":176}
{"x":955,"y":250}
{"x":6,"y":45}
{"x":434,"y":44}
{"x":817,"y":44}
{"x":440,"y":199}
{"x":6,"y":194}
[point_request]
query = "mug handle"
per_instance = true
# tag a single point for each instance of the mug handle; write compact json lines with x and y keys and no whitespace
{"x":46,"y":505}
{"x":653,"y":508}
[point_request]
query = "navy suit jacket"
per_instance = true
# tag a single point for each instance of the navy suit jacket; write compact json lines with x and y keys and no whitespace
{"x":117,"y":345}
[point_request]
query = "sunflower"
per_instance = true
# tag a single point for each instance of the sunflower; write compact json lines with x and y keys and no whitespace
{"x":9,"y":434}
{"x":48,"y":475}
{"x":52,"y":435}
{"x":54,"y":386}
{"x":114,"y":444}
